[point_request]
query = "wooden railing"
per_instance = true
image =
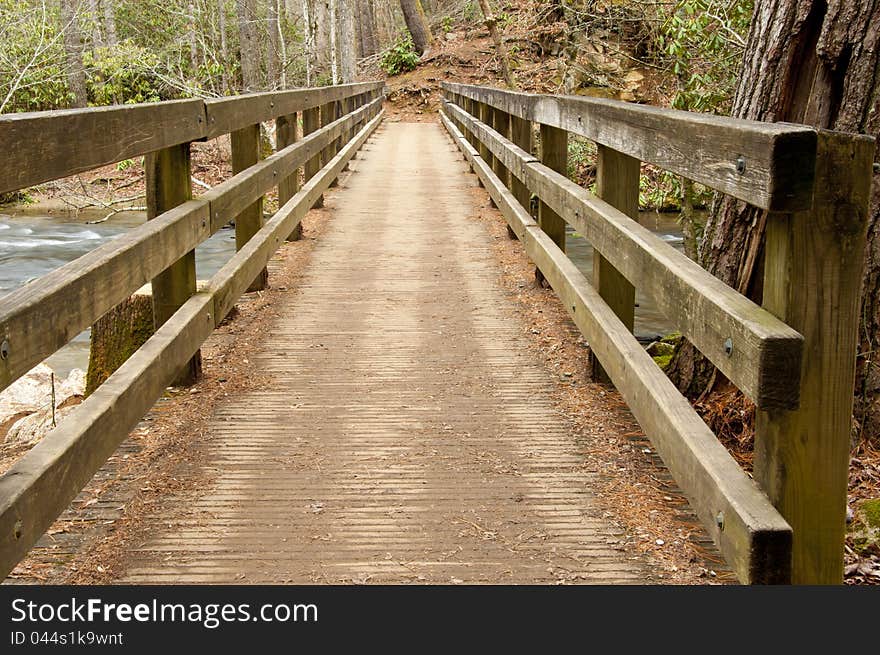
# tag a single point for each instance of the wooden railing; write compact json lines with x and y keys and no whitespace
{"x":794,"y":357}
{"x":45,"y":314}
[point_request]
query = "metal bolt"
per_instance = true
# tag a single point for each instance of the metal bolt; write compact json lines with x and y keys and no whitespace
{"x":728,"y":346}
{"x":719,"y":520}
{"x":4,"y":349}
{"x":740,"y":165}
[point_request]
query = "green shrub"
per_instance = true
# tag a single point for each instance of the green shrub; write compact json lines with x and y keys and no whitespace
{"x":400,"y":57}
{"x":124,"y":74}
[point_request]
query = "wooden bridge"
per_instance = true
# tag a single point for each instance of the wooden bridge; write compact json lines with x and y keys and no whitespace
{"x":404,"y":401}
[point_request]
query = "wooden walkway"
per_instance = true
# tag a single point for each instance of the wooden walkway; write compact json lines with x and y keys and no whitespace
{"x":408,"y":434}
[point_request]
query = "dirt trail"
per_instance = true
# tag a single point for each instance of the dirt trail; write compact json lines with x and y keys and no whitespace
{"x":407,"y":434}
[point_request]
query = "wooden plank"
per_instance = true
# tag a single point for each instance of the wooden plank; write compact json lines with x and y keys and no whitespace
{"x":751,"y":534}
{"x":44,"y":481}
{"x":311,"y":123}
{"x":812,"y":280}
{"x":617,"y":183}
{"x":234,"y":195}
{"x":521,"y":135}
{"x":168,"y":174}
{"x":246,"y":153}
{"x":763,"y":354}
{"x":554,"y":154}
{"x":38,"y":487}
{"x":226,"y":115}
{"x":45,"y":314}
{"x":231,"y":280}
{"x":42,"y":146}
{"x":285,"y":135}
{"x":768,"y":165}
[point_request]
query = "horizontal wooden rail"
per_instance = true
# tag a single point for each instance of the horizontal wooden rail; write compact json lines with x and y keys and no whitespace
{"x":44,"y":481}
{"x":753,"y":348}
{"x":769,"y":165}
{"x":749,"y":531}
{"x":42,"y":146}
{"x":45,"y":314}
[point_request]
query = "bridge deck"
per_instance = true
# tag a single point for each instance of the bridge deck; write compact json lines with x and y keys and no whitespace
{"x":407,"y":433}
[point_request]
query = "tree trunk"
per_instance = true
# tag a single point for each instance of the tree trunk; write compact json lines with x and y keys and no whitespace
{"x":492,"y":25}
{"x":334,"y":41}
{"x":308,"y":40}
{"x":367,"y":24}
{"x":273,"y":45}
{"x":112,"y":39}
{"x":248,"y":46}
{"x":191,"y":36}
{"x":813,"y":62}
{"x":414,"y":16}
{"x":73,"y":47}
{"x":95,"y":20}
{"x":224,"y":47}
{"x":321,"y":34}
{"x":347,"y":50}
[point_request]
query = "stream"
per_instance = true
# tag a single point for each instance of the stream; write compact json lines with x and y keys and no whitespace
{"x":33,"y":244}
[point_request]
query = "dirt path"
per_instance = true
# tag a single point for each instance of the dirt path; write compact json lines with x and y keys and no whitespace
{"x":407,"y":433}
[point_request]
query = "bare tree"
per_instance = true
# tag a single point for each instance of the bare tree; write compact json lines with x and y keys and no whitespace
{"x":347,"y":50}
{"x":367,"y":28}
{"x":414,"y":16}
{"x":248,"y":46}
{"x":73,"y":49}
{"x":492,"y":24}
{"x":273,"y":48}
{"x":110,"y":23}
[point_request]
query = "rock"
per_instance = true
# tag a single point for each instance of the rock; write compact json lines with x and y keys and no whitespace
{"x":660,"y":349}
{"x":26,"y":404}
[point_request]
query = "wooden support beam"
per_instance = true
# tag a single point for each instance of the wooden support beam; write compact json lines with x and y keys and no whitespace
{"x":168,"y":184}
{"x":554,"y":155}
{"x":246,"y":153}
{"x":812,"y":280}
{"x":520,"y":133}
{"x":285,"y":134}
{"x":617,"y":183}
{"x":311,"y":123}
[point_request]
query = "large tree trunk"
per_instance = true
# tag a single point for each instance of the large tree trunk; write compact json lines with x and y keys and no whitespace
{"x":248,"y":45}
{"x":273,"y":48}
{"x":76,"y":76}
{"x":321,"y":34}
{"x":224,"y":47}
{"x":110,"y":23}
{"x":367,"y":26}
{"x":806,"y":62}
{"x":414,"y":16}
{"x":347,"y":50}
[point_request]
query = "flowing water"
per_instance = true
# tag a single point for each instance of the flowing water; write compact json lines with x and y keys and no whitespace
{"x":650,"y":321}
{"x":32,"y":245}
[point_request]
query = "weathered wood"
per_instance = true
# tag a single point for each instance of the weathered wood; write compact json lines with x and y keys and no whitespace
{"x":311,"y":123}
{"x":328,"y":115}
{"x":765,"y":164}
{"x":231,"y":280}
{"x":812,"y":279}
{"x":285,"y":135}
{"x":554,"y":155}
{"x":43,"y":482}
{"x":501,"y":124}
{"x":42,"y":146}
{"x":763,"y":354}
{"x":226,"y":115}
{"x":45,"y":314}
{"x":751,"y":534}
{"x":617,"y":183}
{"x":245,"y":153}
{"x":168,"y":175}
{"x":521,"y":135}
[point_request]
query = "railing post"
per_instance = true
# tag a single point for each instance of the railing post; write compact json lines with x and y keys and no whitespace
{"x":246,"y":153}
{"x":812,"y":279}
{"x":617,"y":183}
{"x":501,"y":124}
{"x":168,"y":174}
{"x":285,"y":135}
{"x":311,"y":123}
{"x":328,"y":115}
{"x":520,"y":133}
{"x":554,"y":155}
